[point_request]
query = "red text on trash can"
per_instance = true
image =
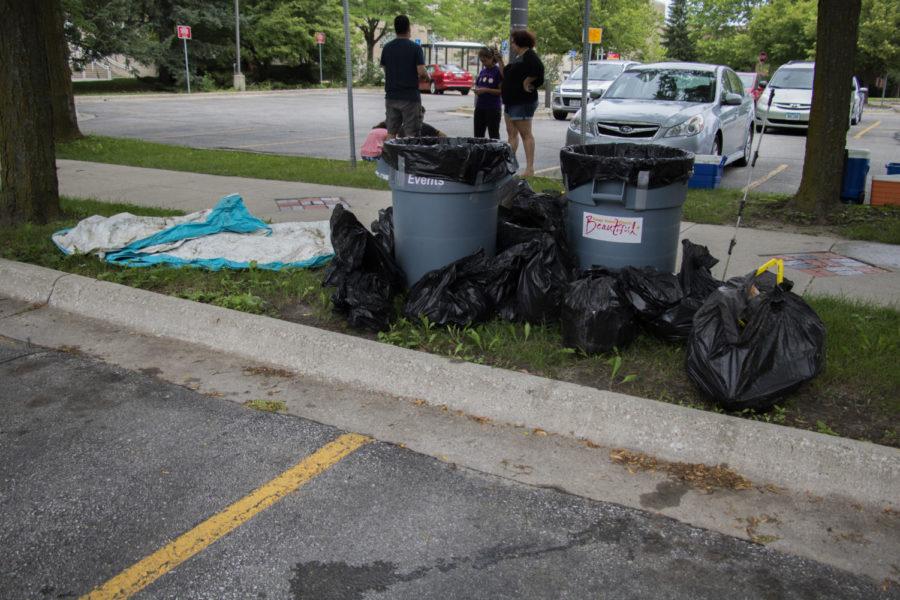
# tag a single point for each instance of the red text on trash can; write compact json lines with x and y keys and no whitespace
{"x":607,"y":228}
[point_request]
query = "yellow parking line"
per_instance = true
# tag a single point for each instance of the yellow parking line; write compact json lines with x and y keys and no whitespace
{"x":859,"y":135}
{"x":769,"y":176}
{"x":143,"y":573}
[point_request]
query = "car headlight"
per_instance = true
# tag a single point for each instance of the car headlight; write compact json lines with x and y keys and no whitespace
{"x":556,"y":90}
{"x":692,"y":126}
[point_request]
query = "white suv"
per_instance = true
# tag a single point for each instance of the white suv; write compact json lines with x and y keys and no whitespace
{"x":792,"y":85}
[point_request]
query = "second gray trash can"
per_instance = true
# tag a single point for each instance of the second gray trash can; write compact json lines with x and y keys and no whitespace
{"x":445,"y":193}
{"x":625,"y":203}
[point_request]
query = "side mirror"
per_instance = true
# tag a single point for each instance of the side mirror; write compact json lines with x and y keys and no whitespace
{"x":595,"y":94}
{"x":763,"y":83}
{"x":733,"y":100}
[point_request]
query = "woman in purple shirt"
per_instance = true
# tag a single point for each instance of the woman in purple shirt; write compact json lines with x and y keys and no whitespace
{"x":487,"y":94}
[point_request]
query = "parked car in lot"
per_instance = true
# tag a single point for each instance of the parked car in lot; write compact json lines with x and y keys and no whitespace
{"x":601,"y":74}
{"x":447,"y":77}
{"x":792,"y":85}
{"x":751,"y":83}
{"x":696,"y":107}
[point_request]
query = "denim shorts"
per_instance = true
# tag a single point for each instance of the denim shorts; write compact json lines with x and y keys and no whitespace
{"x":521,"y":112}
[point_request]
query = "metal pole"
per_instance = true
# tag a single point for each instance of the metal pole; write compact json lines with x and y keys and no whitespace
{"x":884,"y":89}
{"x":349,"y":64}
{"x":585,"y":60}
{"x":518,"y":19}
{"x":187,"y":73}
{"x":321,"y":79}
{"x":237,"y":34}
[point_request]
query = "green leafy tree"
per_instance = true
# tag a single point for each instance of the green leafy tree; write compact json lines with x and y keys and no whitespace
{"x":677,"y":36}
{"x":375,"y":18}
{"x":878,"y":49}
{"x":718,"y":29}
{"x":785,"y":30}
{"x":101,"y":28}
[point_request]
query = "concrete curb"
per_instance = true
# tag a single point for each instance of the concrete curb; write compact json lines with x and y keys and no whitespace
{"x":793,"y":458}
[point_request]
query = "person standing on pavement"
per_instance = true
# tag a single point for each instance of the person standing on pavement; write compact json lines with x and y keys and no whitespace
{"x":487,"y":94}
{"x":521,"y":78}
{"x":404,"y":66}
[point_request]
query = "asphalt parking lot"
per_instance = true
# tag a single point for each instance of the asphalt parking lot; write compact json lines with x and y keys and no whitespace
{"x":314,"y":123}
{"x":115,"y":483}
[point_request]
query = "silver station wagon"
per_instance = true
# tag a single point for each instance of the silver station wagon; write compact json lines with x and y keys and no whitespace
{"x":696,"y":107}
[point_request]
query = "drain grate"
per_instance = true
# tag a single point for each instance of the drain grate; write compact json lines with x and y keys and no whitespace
{"x":828,"y":264}
{"x":312,"y":203}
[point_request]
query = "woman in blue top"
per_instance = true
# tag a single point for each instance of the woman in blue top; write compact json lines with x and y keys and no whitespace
{"x":487,"y":94}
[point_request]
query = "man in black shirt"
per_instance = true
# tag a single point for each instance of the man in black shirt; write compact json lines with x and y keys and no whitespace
{"x":404,"y":65}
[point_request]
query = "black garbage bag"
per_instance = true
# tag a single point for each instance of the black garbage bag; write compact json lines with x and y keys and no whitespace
{"x":542,"y":283}
{"x":696,"y":277}
{"x":366,"y":277}
{"x":460,"y":159}
{"x":623,"y":162}
{"x":596,"y":317}
{"x":383,"y":229}
{"x":505,"y":272}
{"x":453,"y":295}
{"x":753,"y":342}
{"x":650,"y":291}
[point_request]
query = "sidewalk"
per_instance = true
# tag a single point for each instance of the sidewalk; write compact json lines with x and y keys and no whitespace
{"x":193,"y":191}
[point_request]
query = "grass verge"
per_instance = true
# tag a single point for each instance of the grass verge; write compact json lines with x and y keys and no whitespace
{"x":717,"y":207}
{"x":855,"y":397}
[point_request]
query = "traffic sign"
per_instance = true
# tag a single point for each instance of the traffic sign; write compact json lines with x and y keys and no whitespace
{"x":595,"y":35}
{"x":184,"y":32}
{"x":418,"y":41}
{"x":573,"y":53}
{"x":320,"y":38}
{"x":763,"y":57}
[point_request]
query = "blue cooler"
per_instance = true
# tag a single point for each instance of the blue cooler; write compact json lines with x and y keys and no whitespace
{"x":893,"y":168}
{"x":708,"y":170}
{"x":856,"y":170}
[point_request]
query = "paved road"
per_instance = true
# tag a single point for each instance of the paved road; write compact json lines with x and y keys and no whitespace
{"x":102,"y":467}
{"x":314,"y":123}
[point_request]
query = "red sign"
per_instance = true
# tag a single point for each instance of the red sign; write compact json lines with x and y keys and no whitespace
{"x":184,"y":32}
{"x":320,"y":38}
{"x":763,"y":57}
{"x":613,"y":56}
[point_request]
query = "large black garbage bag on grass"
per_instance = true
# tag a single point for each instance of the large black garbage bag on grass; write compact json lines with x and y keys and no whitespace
{"x":695,"y":276}
{"x":453,"y":295}
{"x":528,"y":215}
{"x":650,"y":291}
{"x":596,"y":317}
{"x":365,"y":275}
{"x":542,"y":283}
{"x":383,"y":229}
{"x":753,"y":342}
{"x":457,"y":159}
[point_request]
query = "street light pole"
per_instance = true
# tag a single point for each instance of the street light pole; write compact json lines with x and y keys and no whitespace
{"x":349,"y":64}
{"x":518,"y":18}
{"x":585,"y":61}
{"x":240,"y":83}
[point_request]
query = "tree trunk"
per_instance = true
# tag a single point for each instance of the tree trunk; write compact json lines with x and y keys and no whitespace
{"x":829,"y":120}
{"x":28,"y":186}
{"x":62,"y":97}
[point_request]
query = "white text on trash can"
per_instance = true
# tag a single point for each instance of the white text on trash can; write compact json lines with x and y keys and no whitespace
{"x":414,"y":180}
{"x":605,"y":228}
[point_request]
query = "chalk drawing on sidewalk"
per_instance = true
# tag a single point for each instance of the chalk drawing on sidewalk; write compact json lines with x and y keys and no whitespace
{"x":311,"y":203}
{"x":828,"y":264}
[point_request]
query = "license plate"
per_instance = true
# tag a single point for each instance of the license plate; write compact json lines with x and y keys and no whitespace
{"x":792,"y":116}
{"x":575,"y":102}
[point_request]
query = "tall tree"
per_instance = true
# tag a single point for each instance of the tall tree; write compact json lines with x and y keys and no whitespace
{"x":878,"y":51}
{"x":785,"y":29}
{"x":718,"y":29}
{"x":677,"y":35}
{"x":28,"y":186}
{"x":62,"y":97}
{"x":375,"y":18}
{"x":829,"y":120}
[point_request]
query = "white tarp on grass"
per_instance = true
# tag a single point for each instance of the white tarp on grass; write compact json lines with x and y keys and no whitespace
{"x":226,"y":236}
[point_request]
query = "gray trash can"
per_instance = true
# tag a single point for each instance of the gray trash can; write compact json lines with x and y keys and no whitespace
{"x":445,"y":194}
{"x":625,"y":203}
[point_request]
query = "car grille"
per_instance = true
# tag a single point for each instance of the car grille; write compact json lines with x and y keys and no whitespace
{"x":787,"y":122}
{"x":792,"y":106}
{"x":627,"y":130}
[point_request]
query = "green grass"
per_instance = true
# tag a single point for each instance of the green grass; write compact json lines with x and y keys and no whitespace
{"x":767,"y":211}
{"x":272,"y":406}
{"x":138,"y":153}
{"x":855,"y":396}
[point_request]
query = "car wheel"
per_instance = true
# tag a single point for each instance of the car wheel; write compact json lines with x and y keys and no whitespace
{"x":748,"y":151}
{"x":716,"y":147}
{"x":433,"y":89}
{"x":560,"y":115}
{"x":464,"y":92}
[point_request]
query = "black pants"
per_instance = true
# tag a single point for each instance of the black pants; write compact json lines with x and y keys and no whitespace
{"x":486,"y":118}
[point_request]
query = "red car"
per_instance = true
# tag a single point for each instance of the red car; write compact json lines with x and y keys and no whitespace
{"x":751,"y":84}
{"x":447,"y":77}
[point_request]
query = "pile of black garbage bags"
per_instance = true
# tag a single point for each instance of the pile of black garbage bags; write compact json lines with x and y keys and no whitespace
{"x":749,"y":341}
